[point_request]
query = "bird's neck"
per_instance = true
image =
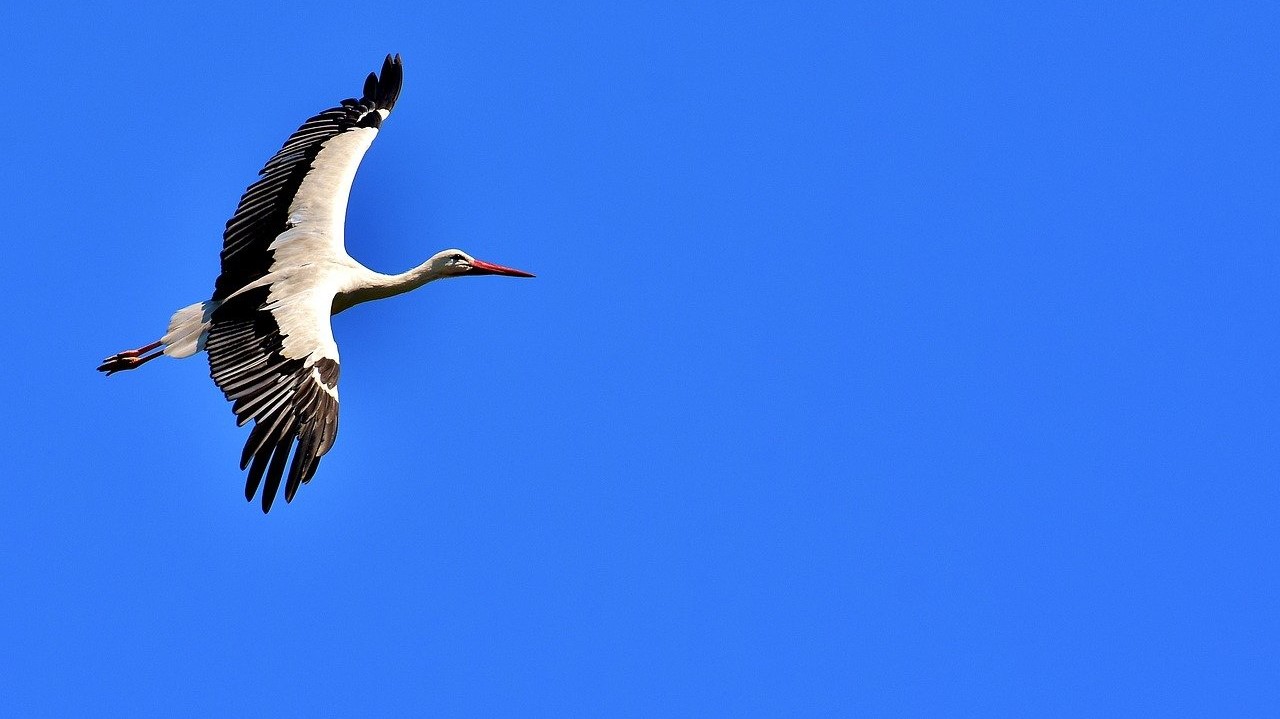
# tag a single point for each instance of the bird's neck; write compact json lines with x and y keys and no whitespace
{"x":405,"y":281}
{"x":377,"y":286}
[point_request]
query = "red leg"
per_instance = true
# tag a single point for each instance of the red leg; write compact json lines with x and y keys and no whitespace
{"x":139,"y":351}
{"x":129,"y":359}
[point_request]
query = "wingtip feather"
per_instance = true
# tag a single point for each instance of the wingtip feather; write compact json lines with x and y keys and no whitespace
{"x":389,"y":82}
{"x":276,"y":472}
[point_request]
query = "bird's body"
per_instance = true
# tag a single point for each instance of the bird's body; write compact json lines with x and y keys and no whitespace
{"x":285,"y":272}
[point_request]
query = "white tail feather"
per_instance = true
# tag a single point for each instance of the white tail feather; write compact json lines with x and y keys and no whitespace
{"x":188,"y":328}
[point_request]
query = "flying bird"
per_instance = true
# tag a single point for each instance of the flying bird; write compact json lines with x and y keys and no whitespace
{"x":285,"y":272}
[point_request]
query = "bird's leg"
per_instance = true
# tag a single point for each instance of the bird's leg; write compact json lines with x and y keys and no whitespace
{"x":130,"y":359}
{"x":139,"y":351}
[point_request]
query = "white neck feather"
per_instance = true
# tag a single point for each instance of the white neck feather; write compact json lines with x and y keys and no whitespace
{"x":376,"y":286}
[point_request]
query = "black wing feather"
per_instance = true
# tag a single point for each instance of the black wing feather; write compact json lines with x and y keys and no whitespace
{"x":255,"y":475}
{"x":275,"y":471}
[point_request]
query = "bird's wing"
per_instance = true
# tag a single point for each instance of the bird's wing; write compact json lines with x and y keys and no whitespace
{"x":295,"y":212}
{"x":271,"y":352}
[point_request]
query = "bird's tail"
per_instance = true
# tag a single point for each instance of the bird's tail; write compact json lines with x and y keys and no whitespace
{"x":188,"y":328}
{"x":187,"y":331}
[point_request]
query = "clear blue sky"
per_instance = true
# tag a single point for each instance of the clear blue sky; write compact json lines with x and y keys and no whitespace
{"x":888,"y":360}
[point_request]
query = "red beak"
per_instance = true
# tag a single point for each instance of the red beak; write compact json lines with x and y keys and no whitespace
{"x":480,"y":267}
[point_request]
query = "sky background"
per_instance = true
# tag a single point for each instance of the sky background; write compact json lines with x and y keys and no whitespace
{"x":884,"y":359}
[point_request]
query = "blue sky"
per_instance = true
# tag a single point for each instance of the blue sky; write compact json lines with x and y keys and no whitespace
{"x":894,"y":359}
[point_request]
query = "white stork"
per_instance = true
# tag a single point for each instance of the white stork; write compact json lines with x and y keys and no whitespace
{"x":285,"y":271}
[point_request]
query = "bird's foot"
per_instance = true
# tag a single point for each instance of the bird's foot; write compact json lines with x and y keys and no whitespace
{"x":129,"y":359}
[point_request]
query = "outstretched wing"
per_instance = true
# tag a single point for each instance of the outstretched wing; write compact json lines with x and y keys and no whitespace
{"x":275,"y":359}
{"x":296,"y":211}
{"x":270,"y":347}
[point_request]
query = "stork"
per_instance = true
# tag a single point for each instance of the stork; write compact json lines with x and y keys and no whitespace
{"x":285,"y":272}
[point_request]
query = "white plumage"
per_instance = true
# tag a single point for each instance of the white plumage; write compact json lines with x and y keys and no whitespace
{"x":285,"y":271}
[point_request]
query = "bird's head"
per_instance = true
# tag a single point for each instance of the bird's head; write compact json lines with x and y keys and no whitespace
{"x":456,"y":263}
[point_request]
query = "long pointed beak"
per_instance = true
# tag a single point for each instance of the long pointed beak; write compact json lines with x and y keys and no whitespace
{"x":480,"y":267}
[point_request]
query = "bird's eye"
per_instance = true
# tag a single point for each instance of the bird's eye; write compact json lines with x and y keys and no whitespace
{"x":457,"y":258}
